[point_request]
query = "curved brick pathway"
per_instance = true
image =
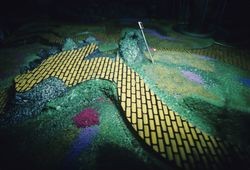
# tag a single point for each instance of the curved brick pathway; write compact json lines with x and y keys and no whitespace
{"x":172,"y":138}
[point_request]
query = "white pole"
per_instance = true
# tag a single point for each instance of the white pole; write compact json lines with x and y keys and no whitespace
{"x":141,"y":28}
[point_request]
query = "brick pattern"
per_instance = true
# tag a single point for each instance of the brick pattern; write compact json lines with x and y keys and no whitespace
{"x":163,"y":130}
{"x":233,"y":56}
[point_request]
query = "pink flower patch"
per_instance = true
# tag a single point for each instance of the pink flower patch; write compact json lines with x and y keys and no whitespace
{"x":88,"y":117}
{"x":192,"y":76}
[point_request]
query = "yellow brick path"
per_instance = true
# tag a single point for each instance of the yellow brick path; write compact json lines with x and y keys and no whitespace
{"x":169,"y":136}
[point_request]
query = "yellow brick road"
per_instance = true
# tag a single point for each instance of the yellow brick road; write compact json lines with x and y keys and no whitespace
{"x":169,"y":136}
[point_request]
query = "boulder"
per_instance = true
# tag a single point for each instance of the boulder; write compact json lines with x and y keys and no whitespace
{"x":69,"y":44}
{"x":132,"y":46}
{"x":28,"y":104}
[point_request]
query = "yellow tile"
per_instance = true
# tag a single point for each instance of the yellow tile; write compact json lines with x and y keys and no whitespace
{"x":183,"y":154}
{"x":145,"y":119}
{"x":123,"y":89}
{"x":190,"y":139}
{"x":178,"y":139}
{"x":163,"y":125}
{"x":143,"y":99}
{"x":214,"y":142}
{"x":159,"y":104}
{"x":168,"y":121}
{"x":129,"y":119}
{"x":123,"y":105}
{"x":137,"y":87}
{"x":141,"y":134}
{"x":161,"y":114}
{"x":128,"y":86}
{"x":153,"y":99}
{"x":153,"y":137}
{"x":146,"y":130}
{"x":186,"y":128}
{"x":194,"y":134}
{"x":147,"y":140}
{"x":155,"y":109}
{"x":170,"y":132}
{"x":148,"y":96}
{"x":165,"y":109}
{"x":140,"y":124}
{"x":32,"y":83}
{"x":155,"y":147}
{"x":139,"y":113}
{"x":175,"y":127}
{"x":137,"y":78}
{"x":138,"y":95}
{"x":157,"y":120}
{"x":128,"y":112}
{"x":152,"y":124}
{"x":172,"y":116}
{"x":144,"y":108}
{"x":133,"y":107}
{"x":159,"y":132}
{"x":187,"y":147}
{"x":199,"y":147}
{"x":128,"y":93}
{"x":161,"y":145}
{"x":203,"y":143}
{"x":179,"y":122}
{"x":133,"y":83}
{"x":169,"y":153}
{"x":150,"y":114}
{"x":174,"y":146}
{"x":128,"y":102}
{"x":183,"y":134}
{"x":133,"y":118}
{"x":138,"y":102}
{"x":149,"y":104}
{"x":133,"y":98}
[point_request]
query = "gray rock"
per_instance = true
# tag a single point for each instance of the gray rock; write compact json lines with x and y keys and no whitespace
{"x":29,"y":104}
{"x":69,"y":44}
{"x":91,"y":39}
{"x":132,"y":46}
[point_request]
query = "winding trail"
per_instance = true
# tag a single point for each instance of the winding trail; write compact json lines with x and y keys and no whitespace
{"x":170,"y":137}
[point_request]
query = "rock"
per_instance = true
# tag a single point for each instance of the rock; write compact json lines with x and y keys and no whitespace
{"x":53,"y":50}
{"x":69,"y":44}
{"x":43,"y":54}
{"x":28,"y":104}
{"x":132,"y":46}
{"x":91,"y":39}
{"x":81,"y":43}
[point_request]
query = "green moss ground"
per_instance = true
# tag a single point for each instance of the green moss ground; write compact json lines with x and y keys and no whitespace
{"x":44,"y":141}
{"x":219,"y":107}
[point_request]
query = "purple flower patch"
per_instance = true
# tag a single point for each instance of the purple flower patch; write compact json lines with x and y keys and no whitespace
{"x":80,"y":144}
{"x":88,"y":117}
{"x":158,"y":35}
{"x":192,"y":76}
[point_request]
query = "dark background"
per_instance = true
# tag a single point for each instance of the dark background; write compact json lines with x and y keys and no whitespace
{"x":235,"y":15}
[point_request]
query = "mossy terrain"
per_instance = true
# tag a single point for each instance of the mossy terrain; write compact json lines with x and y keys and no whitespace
{"x":205,"y":91}
{"x":212,"y":95}
{"x":44,"y":141}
